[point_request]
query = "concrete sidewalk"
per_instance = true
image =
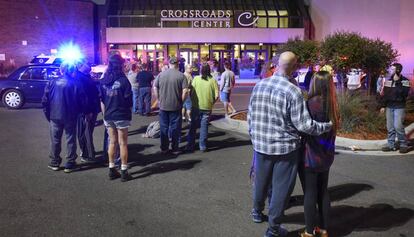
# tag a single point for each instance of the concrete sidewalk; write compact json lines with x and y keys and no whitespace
{"x":344,"y":145}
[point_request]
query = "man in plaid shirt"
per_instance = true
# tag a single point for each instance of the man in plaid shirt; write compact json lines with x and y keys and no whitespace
{"x":277,"y":114}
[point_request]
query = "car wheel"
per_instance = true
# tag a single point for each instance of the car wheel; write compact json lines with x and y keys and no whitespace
{"x":13,"y":99}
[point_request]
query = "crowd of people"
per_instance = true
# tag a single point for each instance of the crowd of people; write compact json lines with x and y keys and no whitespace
{"x":73,"y":101}
{"x":290,"y":134}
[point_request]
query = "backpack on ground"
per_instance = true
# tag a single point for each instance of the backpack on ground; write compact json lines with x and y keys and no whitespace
{"x":153,"y":130}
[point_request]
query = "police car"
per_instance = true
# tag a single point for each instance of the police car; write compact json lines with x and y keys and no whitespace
{"x":27,"y":83}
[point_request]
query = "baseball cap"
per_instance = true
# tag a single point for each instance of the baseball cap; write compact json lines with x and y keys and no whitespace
{"x":173,"y":60}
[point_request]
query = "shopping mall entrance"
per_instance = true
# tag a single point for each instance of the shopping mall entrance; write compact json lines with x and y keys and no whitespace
{"x":246,"y":60}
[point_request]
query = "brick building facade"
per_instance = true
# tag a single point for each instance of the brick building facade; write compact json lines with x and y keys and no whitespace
{"x":32,"y":27}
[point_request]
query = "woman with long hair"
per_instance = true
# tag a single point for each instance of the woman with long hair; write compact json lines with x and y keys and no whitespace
{"x":319,"y":154}
{"x":116,"y":103}
{"x":204,"y":93}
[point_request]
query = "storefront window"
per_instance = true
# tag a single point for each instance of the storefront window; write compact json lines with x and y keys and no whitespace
{"x":204,"y":52}
{"x":189,"y":46}
{"x":172,"y":50}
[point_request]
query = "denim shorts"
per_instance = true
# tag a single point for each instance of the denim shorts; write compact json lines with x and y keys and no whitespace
{"x":225,"y":96}
{"x":118,"y":124}
{"x":187,"y":104}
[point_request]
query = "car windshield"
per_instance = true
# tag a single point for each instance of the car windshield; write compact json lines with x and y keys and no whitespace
{"x":16,"y":73}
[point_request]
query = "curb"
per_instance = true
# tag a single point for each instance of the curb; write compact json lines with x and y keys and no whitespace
{"x":344,"y":145}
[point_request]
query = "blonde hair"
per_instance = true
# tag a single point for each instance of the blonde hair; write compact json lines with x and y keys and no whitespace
{"x":322,"y":85}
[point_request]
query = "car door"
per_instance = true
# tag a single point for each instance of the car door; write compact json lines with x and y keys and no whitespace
{"x":33,"y":82}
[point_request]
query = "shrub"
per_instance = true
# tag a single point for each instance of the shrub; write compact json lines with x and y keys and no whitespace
{"x":359,"y":113}
{"x":306,"y":50}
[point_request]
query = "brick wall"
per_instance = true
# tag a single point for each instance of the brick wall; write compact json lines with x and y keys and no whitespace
{"x":44,"y":24}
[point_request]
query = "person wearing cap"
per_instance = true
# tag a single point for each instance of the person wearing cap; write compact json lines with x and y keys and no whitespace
{"x":116,"y":102}
{"x":171,"y":90}
{"x":63,"y":100}
{"x":87,"y":119}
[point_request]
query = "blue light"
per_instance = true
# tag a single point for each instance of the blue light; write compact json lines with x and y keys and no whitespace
{"x":70,"y":53}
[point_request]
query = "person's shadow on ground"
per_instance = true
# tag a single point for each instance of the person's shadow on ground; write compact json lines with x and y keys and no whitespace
{"x":346,"y":219}
{"x":164,"y":167}
{"x":336,"y":193}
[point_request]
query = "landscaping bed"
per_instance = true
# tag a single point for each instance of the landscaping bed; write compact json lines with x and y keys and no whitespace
{"x":360,"y":118}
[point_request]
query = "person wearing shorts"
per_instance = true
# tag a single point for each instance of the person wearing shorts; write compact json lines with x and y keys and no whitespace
{"x":186,"y":111}
{"x":116,"y":103}
{"x":227,"y":82}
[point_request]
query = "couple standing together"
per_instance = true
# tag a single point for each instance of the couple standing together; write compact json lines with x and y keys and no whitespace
{"x":290,"y":134}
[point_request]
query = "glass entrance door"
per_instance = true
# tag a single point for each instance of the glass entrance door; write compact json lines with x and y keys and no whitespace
{"x":188,"y":56}
{"x":219,"y":57}
{"x":252,"y":62}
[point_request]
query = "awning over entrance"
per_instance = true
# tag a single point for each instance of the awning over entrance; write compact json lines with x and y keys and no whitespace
{"x":201,"y":35}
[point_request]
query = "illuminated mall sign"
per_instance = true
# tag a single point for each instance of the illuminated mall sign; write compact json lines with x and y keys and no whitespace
{"x":208,"y":18}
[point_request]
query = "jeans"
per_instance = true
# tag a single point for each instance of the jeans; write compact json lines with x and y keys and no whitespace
{"x":170,"y":121}
{"x":56,"y":131}
{"x":279,"y":171}
{"x":316,"y":192}
{"x":395,"y":119}
{"x":135,"y":98}
{"x":199,"y":118}
{"x":144,"y":100}
{"x":85,"y":136}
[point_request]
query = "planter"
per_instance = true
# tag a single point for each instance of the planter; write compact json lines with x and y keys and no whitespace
{"x":240,"y":125}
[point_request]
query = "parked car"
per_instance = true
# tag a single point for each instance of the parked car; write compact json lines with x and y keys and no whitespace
{"x":26,"y":84}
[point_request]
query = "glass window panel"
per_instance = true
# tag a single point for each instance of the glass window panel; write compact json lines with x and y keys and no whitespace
{"x":273,"y":22}
{"x":172,"y":50}
{"x":283,"y":12}
{"x":252,"y":47}
{"x":284,"y":22}
{"x":261,"y":22}
{"x":272,"y":13}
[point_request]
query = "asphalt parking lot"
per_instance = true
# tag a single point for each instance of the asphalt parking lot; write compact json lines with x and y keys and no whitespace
{"x":200,"y":194}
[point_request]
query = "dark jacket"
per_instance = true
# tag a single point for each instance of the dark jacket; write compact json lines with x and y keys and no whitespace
{"x":144,"y":79}
{"x":395,"y":93}
{"x":92,"y":93}
{"x":63,"y":99}
{"x":319,"y":150}
{"x":116,"y":94}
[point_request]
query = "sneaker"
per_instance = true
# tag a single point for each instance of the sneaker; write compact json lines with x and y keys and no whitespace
{"x":306,"y":234}
{"x":271,"y":232}
{"x":125,"y":176}
{"x":87,"y":160}
{"x":188,"y":150}
{"x":69,"y":167}
{"x":387,"y":149}
{"x":165,"y":152}
{"x":175,"y":153}
{"x":54,"y":167}
{"x":404,"y":150}
{"x":320,"y":232}
{"x":113,"y":174}
{"x":257,"y":216}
